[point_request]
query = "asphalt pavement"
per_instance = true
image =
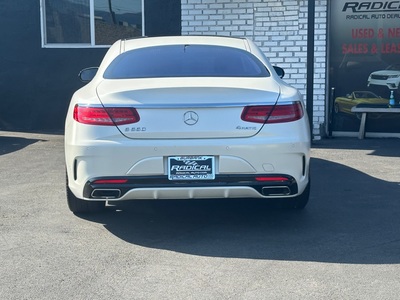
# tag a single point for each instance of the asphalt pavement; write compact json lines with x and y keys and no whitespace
{"x":344,"y":245}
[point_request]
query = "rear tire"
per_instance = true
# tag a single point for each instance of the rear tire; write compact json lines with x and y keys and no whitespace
{"x":77,"y":205}
{"x":301,"y":201}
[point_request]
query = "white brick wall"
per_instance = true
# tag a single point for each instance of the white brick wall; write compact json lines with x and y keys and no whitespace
{"x":279,"y":28}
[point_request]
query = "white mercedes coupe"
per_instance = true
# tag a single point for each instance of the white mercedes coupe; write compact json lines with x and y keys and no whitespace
{"x":185,"y":117}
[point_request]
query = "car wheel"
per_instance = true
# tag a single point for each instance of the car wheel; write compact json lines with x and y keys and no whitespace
{"x":77,"y":205}
{"x":301,"y":201}
{"x":336,"y":108}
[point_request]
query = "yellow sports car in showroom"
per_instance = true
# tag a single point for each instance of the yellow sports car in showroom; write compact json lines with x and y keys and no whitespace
{"x":344,"y":104}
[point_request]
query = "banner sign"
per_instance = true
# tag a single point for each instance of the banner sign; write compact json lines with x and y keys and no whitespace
{"x":364,"y":62}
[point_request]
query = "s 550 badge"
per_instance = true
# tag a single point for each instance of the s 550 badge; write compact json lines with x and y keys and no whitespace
{"x":135,"y":129}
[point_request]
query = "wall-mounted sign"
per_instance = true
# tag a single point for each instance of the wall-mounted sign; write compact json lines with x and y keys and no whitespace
{"x":364,"y":61}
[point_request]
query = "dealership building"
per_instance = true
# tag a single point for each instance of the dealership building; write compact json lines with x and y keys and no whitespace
{"x":329,"y":50}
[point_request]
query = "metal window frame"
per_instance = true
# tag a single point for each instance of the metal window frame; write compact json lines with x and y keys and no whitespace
{"x":76,"y":45}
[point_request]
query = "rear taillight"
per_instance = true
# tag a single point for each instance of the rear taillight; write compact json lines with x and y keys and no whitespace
{"x":273,"y":113}
{"x":272,"y":178}
{"x":105,"y":116}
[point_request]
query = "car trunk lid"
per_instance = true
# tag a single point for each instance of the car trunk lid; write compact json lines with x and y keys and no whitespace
{"x":182,"y":108}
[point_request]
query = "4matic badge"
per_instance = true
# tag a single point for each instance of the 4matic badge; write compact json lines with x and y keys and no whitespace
{"x":246,"y":128}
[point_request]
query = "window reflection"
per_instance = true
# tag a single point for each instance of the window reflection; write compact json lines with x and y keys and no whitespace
{"x":67,"y":21}
{"x":117,"y":19}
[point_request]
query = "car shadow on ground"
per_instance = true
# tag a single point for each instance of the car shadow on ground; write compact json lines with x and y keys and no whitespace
{"x":386,"y":147}
{"x":9,"y":144}
{"x":351,"y":218}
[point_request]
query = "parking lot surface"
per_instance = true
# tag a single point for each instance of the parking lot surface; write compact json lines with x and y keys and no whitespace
{"x":344,"y":245}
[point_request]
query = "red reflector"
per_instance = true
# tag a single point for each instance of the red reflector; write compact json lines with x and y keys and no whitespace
{"x":105,"y":116}
{"x":110,"y":181}
{"x":273,"y":114}
{"x":274,"y":178}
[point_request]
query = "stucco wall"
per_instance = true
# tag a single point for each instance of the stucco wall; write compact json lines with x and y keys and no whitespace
{"x":279,"y":28}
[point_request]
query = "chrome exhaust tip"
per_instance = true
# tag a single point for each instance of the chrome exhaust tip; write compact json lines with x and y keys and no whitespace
{"x":275,"y":191}
{"x":106,"y":193}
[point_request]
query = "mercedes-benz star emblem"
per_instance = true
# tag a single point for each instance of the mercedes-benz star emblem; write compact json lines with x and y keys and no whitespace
{"x":190,"y":118}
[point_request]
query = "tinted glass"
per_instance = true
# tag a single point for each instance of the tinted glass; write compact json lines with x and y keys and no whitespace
{"x":185,"y":61}
{"x":67,"y":21}
{"x":116,"y":20}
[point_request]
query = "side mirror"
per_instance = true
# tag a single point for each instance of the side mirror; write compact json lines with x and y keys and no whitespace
{"x":87,"y":74}
{"x":279,"y":71}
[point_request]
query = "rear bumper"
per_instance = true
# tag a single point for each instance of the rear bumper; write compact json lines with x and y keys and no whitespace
{"x":145,"y":164}
{"x":159,"y":187}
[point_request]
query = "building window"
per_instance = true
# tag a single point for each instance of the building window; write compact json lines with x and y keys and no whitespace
{"x":90,"y":23}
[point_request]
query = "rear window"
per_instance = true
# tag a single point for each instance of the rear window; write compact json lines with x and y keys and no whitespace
{"x":185,"y":61}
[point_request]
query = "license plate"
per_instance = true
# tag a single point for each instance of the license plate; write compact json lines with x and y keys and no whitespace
{"x":191,"y":168}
